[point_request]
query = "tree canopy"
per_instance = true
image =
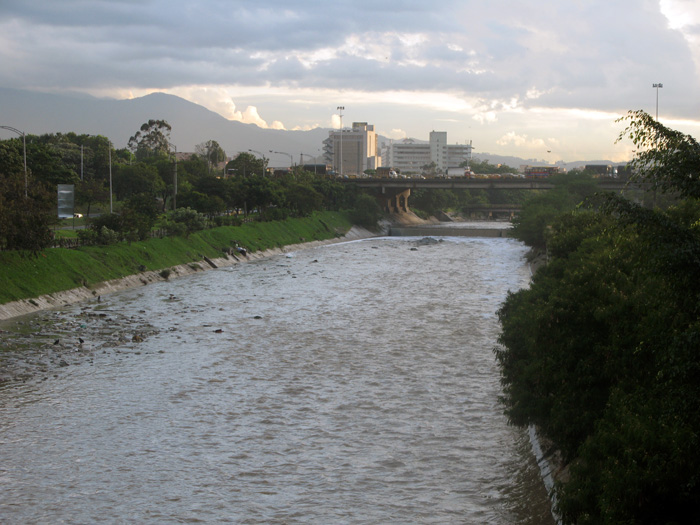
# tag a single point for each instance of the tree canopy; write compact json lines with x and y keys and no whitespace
{"x":601,"y":351}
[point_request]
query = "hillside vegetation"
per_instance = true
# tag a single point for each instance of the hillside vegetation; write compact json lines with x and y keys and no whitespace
{"x":602,"y":351}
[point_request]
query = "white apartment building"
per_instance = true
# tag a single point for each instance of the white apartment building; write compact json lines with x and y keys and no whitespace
{"x":409,"y":157}
{"x":352,"y":151}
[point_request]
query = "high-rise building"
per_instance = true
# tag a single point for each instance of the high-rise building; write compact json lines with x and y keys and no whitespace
{"x":352,"y":151}
{"x":411,"y":157}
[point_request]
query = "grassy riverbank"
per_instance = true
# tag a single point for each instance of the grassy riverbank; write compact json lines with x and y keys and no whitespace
{"x":58,"y":269}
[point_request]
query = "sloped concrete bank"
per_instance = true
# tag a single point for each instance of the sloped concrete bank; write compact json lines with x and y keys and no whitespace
{"x":75,"y":295}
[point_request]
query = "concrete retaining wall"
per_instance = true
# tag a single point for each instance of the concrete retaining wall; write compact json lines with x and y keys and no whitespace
{"x":67,"y":297}
{"x":418,"y":231}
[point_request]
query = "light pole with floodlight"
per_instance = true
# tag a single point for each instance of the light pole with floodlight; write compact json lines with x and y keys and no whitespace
{"x":657,"y":86}
{"x":340,"y":112}
{"x":174,"y":178}
{"x":24,"y":144}
{"x":110,"y":175}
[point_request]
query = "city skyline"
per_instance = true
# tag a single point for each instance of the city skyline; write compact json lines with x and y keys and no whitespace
{"x":546,"y":83}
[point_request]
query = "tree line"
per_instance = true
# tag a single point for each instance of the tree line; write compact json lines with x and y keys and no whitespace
{"x":602,"y":351}
{"x":150,"y":187}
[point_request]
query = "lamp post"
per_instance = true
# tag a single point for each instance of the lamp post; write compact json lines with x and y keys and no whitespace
{"x":263,"y":160}
{"x":81,"y":158}
{"x":308,"y":155}
{"x":340,"y":112}
{"x":110,"y":176}
{"x":174,"y":178}
{"x":24,"y":145}
{"x":657,"y":86}
{"x":291,"y":158}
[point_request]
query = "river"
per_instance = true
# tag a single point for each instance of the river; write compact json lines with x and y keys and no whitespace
{"x":351,"y":383}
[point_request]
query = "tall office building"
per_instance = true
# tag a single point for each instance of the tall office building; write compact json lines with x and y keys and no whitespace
{"x":352,"y":151}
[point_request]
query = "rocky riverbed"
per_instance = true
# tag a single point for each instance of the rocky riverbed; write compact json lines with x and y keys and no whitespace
{"x":45,"y":345}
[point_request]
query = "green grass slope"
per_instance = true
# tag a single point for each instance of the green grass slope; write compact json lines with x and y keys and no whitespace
{"x":23,"y":276}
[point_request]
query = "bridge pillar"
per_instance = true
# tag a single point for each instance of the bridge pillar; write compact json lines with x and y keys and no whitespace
{"x":394,"y":201}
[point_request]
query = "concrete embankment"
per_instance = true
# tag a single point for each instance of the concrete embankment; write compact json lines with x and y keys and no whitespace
{"x":75,"y":295}
{"x":428,"y":231}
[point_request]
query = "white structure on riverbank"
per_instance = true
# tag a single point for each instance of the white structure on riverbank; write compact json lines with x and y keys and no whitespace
{"x":410,"y":157}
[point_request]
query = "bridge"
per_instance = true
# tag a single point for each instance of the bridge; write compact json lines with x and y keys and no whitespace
{"x":393,"y":193}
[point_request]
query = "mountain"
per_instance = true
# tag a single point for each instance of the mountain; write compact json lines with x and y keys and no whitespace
{"x":39,"y":113}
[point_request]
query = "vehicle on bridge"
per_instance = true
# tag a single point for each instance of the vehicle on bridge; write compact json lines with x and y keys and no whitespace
{"x":540,"y":172}
{"x":386,"y":172}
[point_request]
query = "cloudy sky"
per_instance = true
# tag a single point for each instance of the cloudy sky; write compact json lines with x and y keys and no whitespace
{"x":543,"y":80}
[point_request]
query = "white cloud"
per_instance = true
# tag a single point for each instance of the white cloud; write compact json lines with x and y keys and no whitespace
{"x":478,"y":70}
{"x":520,"y":141}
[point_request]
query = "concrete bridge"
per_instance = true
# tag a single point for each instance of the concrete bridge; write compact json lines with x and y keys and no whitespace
{"x":393,"y":194}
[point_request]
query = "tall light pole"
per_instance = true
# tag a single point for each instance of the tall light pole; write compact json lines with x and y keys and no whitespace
{"x":291,"y":158}
{"x":24,"y":144}
{"x":174,"y":178}
{"x":263,"y":159}
{"x":81,"y":158}
{"x":308,"y":155}
{"x":340,"y":112}
{"x":657,"y":86}
{"x":110,"y":176}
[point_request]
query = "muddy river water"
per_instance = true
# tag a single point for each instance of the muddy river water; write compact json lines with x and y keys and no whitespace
{"x":351,"y":383}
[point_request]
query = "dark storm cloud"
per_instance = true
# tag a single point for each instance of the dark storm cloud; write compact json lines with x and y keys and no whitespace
{"x":593,"y":54}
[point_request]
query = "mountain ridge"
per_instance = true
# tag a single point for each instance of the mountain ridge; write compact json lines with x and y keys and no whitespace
{"x":37,"y":113}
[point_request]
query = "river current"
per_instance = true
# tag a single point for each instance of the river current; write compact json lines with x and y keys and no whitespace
{"x":351,"y":383}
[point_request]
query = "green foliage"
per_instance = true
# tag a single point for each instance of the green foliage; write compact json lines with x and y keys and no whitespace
{"x":601,"y":352}
{"x":245,"y":165}
{"x":540,"y":211}
{"x":151,"y":140}
{"x":484,"y":166}
{"x":433,"y":201}
{"x":665,"y":157}
{"x":183,"y":221}
{"x":132,"y":179}
{"x":57,"y":269}
{"x":212,"y":152}
{"x":25,"y":221}
{"x":366,"y":211}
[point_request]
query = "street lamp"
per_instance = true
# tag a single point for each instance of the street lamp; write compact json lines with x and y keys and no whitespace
{"x":308,"y":155}
{"x":24,"y":144}
{"x":263,"y":159}
{"x":340,"y":111}
{"x":291,"y":158}
{"x":81,"y":157}
{"x":110,"y":176}
{"x":657,"y":86}
{"x":174,"y":178}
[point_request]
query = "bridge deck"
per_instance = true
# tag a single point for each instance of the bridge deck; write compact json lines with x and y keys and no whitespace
{"x":477,"y":184}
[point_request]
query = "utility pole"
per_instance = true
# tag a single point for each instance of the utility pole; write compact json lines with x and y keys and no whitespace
{"x":340,"y":112}
{"x":657,"y":86}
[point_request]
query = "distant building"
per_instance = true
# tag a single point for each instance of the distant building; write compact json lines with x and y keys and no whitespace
{"x":600,"y":170}
{"x":410,"y":157}
{"x":358,"y":147}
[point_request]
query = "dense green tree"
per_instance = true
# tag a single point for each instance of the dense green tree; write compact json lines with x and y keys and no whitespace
{"x":601,"y":352}
{"x":211,"y":152}
{"x":365,"y":211}
{"x":128,"y":180}
{"x":302,"y":199}
{"x":25,"y":221}
{"x":244,"y":165}
{"x":90,"y":191}
{"x":152,"y":139}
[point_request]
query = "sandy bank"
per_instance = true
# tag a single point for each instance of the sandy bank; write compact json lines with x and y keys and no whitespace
{"x":75,"y":295}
